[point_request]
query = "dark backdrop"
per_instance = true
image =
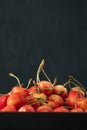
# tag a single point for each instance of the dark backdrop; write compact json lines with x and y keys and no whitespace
{"x":31,"y":30}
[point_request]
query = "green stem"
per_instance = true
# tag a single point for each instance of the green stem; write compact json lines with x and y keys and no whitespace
{"x":46,"y":76}
{"x":29,"y":83}
{"x":66,"y":83}
{"x":76,"y":98}
{"x":39,"y":70}
{"x":78,"y":84}
{"x":55,"y":81}
{"x":12,"y":75}
{"x":38,"y":89}
{"x":73,"y":83}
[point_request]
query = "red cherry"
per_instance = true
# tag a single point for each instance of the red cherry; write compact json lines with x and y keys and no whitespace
{"x":76,"y":110}
{"x":16,"y":99}
{"x":57,"y":99}
{"x":45,"y":87}
{"x":26,"y":108}
{"x":73,"y":95}
{"x":9,"y":108}
{"x":44,"y":109}
{"x":82,"y":103}
{"x":32,"y":89}
{"x":17,"y":89}
{"x":61,"y":109}
{"x":61,"y":90}
{"x":3,"y":100}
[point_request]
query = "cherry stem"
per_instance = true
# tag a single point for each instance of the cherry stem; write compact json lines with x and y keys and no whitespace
{"x":39,"y":70}
{"x":69,"y":82}
{"x":38,"y":89}
{"x":55,"y":81}
{"x":38,"y":101}
{"x":78,"y":83}
{"x":66,"y":83}
{"x":76,"y":98}
{"x":46,"y":76}
{"x":78,"y":92}
{"x":73,"y":83}
{"x":29,"y":83}
{"x":12,"y":75}
{"x":75,"y":80}
{"x":34,"y":82}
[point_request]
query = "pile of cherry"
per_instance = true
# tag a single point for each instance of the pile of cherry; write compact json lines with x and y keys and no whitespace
{"x":44,"y":95}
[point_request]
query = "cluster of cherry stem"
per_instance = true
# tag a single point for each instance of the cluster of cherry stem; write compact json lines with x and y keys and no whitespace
{"x":71,"y":81}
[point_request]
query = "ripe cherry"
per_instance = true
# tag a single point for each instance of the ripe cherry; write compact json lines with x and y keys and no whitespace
{"x":18,"y":88}
{"x":61,"y":109}
{"x":9,"y":108}
{"x":57,"y":99}
{"x":3,"y":100}
{"x":44,"y":109}
{"x":61,"y":90}
{"x":26,"y":108}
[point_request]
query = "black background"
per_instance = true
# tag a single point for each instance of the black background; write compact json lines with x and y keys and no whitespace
{"x":31,"y":30}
